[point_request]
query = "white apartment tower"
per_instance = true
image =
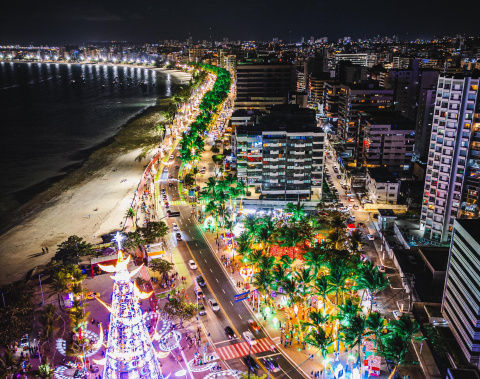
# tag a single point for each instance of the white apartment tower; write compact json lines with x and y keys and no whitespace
{"x":452,"y":182}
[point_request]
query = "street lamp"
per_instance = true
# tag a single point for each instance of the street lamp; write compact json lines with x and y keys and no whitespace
{"x":41,"y":289}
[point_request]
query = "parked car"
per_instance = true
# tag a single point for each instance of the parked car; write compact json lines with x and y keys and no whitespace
{"x":201,"y":281}
{"x":214,"y":305}
{"x":201,"y":309}
{"x":271,"y":364}
{"x":339,"y":176}
{"x":356,"y":207}
{"x":381,"y":268}
{"x":371,"y":237}
{"x":397,"y":314}
{"x":174,"y":227}
{"x":179,"y":237}
{"x":198,"y":291}
{"x":192,"y":264}
{"x":167,"y":205}
{"x":253,"y":324}
{"x":229,"y":332}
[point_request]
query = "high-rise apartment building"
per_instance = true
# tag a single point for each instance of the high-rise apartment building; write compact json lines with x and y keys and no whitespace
{"x":461,"y":297}
{"x":282,"y":155}
{"x":452,"y":183}
{"x":359,"y":97}
{"x":262,"y":85}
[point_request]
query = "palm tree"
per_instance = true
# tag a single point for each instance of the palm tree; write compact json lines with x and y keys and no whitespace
{"x":288,"y":237}
{"x":297,"y":211}
{"x":289,"y":287}
{"x":254,"y":257}
{"x":303,"y":279}
{"x":265,"y":237}
{"x":407,"y":327}
{"x":336,"y":278}
{"x":317,"y":320}
{"x":59,"y":285}
{"x":376,"y":325}
{"x":323,"y":288}
{"x":242,"y":191}
{"x":356,"y":240}
{"x":262,"y":280}
{"x":314,"y":260}
{"x":372,"y":280}
{"x":335,"y":237}
{"x":278,"y":273}
{"x":250,"y":224}
{"x":322,"y":341}
{"x":48,"y":320}
{"x":395,"y":346}
{"x":336,"y":222}
{"x":353,"y":333}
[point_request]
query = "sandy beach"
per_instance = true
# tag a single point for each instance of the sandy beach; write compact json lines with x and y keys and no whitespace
{"x":94,"y":204}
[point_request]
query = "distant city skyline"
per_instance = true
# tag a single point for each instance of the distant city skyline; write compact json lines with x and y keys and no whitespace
{"x":58,"y":23}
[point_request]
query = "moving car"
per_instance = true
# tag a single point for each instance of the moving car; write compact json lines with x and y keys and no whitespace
{"x":24,"y":341}
{"x":371,"y":237}
{"x":214,"y":305}
{"x":201,"y":310}
{"x":249,"y":337}
{"x":192,"y":264}
{"x":167,"y":205}
{"x":339,"y":176}
{"x":381,"y":268}
{"x":356,"y":207}
{"x":172,"y":157}
{"x":92,"y":295}
{"x":174,"y":226}
{"x":397,"y":314}
{"x":179,"y":237}
{"x":253,"y":324}
{"x":271,"y":364}
{"x":201,"y":281}
{"x":229,"y":332}
{"x":250,"y":362}
{"x":163,"y":190}
{"x":165,"y":197}
{"x":199,"y":293}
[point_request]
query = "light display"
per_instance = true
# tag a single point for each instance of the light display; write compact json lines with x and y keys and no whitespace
{"x":130,"y":353}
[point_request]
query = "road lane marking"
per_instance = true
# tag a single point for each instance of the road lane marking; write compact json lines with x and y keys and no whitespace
{"x":196,"y":244}
{"x":217,"y":280}
{"x":240,"y":317}
{"x":205,"y":260}
{"x":211,"y":271}
{"x":223,"y":290}
{"x":231,"y":303}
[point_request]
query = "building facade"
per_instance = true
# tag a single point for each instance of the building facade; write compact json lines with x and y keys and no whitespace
{"x":262,"y":85}
{"x":461,"y":298}
{"x":382,"y":186}
{"x":283,"y":162}
{"x":452,"y":182}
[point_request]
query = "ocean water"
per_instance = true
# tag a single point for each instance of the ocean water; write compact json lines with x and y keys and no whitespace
{"x":52,"y":116}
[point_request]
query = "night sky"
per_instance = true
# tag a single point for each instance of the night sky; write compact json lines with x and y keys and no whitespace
{"x":62,"y":22}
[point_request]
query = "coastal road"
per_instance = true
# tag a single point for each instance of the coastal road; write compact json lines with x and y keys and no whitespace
{"x":219,"y":286}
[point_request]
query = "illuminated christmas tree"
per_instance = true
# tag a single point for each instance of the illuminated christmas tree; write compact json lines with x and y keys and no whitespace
{"x":130,"y":352}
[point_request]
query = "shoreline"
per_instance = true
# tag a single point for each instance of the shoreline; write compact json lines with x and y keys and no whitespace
{"x":48,"y":187}
{"x":63,"y":209}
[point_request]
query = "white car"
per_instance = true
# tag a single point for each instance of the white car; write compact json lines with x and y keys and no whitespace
{"x":174,"y":227}
{"x":172,"y":157}
{"x":192,"y":264}
{"x":371,"y":237}
{"x":397,"y":314}
{"x":249,"y":337}
{"x":381,"y":268}
{"x":214,"y":305}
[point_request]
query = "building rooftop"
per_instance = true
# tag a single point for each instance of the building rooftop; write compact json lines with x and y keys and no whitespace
{"x":472,"y":226}
{"x":397,"y":122}
{"x":386,"y":212}
{"x":382,"y":175}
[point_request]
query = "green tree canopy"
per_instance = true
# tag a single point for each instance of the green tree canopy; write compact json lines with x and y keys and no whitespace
{"x":70,"y":251}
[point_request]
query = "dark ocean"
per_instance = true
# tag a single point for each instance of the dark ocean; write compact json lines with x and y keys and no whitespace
{"x":52,"y":116}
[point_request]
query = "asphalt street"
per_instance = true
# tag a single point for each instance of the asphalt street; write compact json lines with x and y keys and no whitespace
{"x":218,"y":285}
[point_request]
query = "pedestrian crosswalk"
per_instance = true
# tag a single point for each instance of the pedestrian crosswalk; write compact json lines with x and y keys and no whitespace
{"x":183,"y":202}
{"x":242,"y":349}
